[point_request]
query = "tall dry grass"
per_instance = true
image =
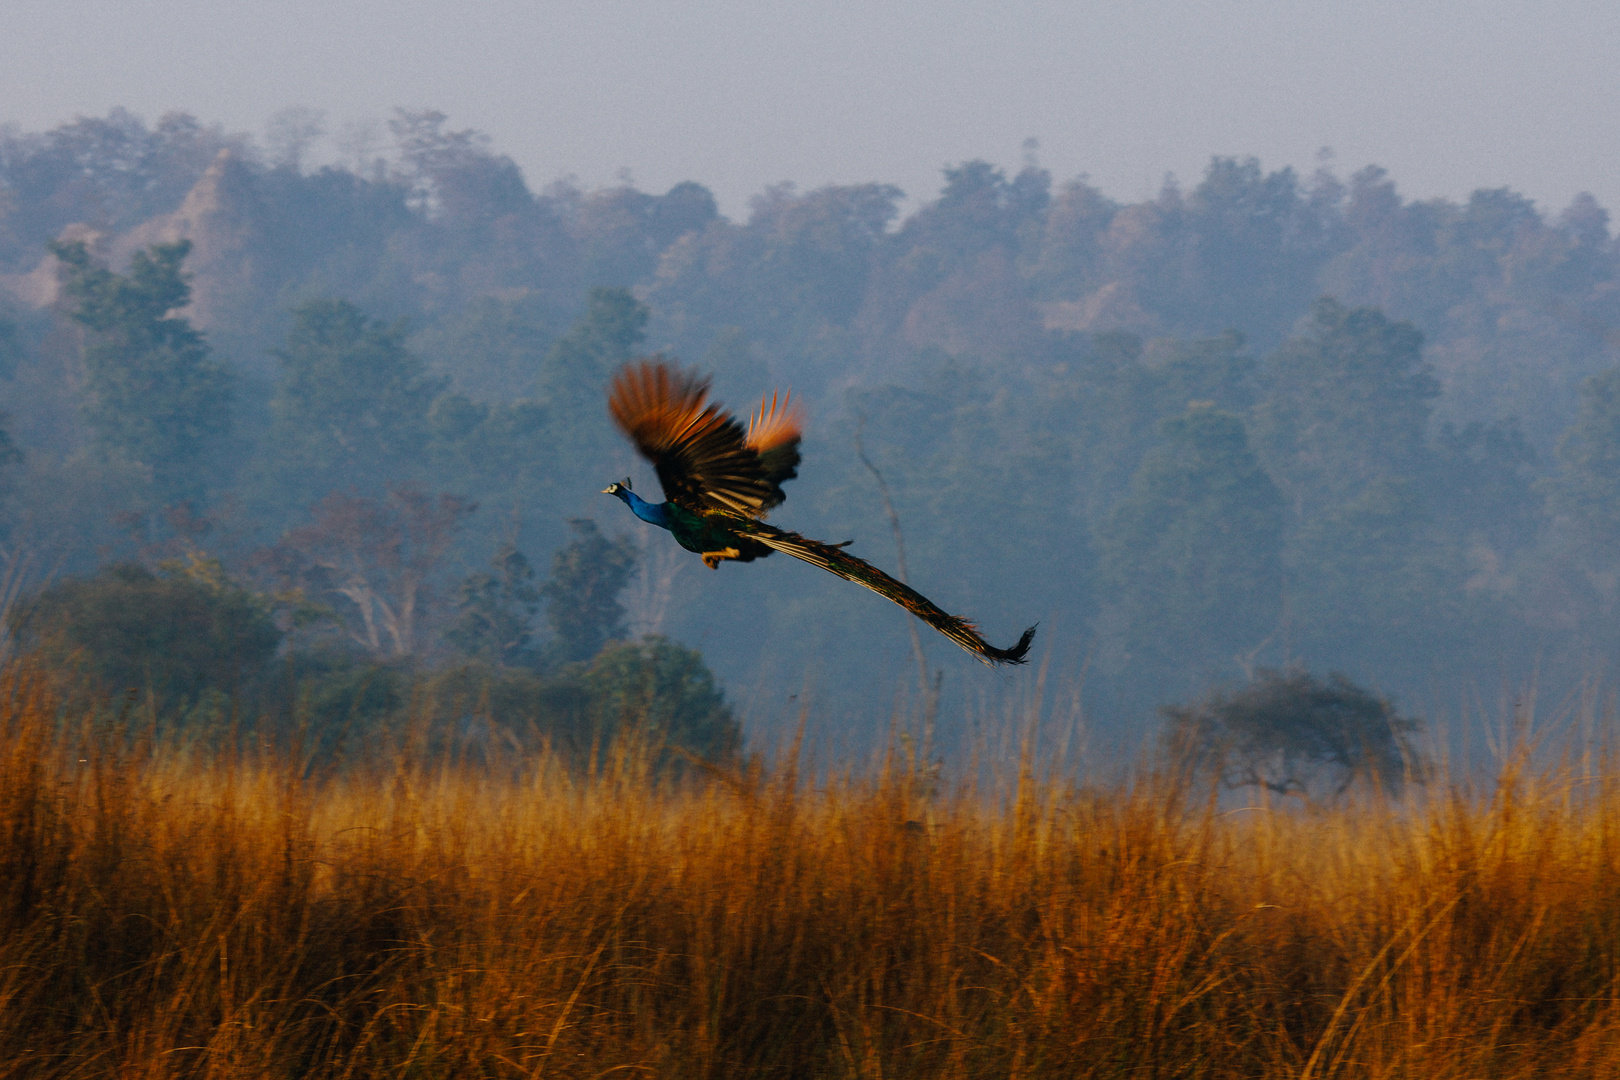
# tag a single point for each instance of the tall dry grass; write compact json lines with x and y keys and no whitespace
{"x":166,"y":915}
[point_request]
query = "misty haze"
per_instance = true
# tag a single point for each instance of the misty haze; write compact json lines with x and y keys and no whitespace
{"x":1313,"y":489}
{"x":1261,"y":422}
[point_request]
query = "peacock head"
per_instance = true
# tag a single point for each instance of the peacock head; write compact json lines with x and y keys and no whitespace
{"x":622,"y":491}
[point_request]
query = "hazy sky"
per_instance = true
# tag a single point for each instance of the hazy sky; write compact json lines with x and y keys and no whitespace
{"x":1449,"y":96}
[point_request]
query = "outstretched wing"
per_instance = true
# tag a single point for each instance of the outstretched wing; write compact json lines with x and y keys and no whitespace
{"x":835,"y":560}
{"x":774,"y":434}
{"x":702,"y":455}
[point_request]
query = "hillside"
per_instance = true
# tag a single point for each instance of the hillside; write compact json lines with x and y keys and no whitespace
{"x":1142,"y":424}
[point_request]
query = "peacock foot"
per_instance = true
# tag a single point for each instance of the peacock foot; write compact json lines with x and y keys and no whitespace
{"x":712,"y":559}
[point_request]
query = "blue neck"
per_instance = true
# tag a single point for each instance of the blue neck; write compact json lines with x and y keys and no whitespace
{"x":652,"y":513}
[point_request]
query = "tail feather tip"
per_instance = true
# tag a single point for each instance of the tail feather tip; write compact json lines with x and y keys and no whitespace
{"x":1018,"y":654}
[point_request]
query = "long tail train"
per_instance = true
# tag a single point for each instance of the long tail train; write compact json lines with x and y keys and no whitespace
{"x":836,"y":561}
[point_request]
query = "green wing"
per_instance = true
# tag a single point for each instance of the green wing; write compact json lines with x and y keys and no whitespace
{"x":835,"y":560}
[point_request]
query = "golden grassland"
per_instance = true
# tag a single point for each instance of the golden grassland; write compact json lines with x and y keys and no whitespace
{"x":173,"y":914}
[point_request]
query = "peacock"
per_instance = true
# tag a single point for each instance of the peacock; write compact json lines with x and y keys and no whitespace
{"x":720,"y":481}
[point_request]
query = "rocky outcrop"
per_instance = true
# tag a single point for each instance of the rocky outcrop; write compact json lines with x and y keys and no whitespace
{"x":1113,"y":307}
{"x":221,"y":217}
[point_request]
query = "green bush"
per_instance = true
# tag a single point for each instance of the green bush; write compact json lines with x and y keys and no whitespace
{"x":178,"y":635}
{"x":664,"y":691}
{"x":483,"y":709}
{"x":340,"y":700}
{"x":654,"y":690}
{"x":197,"y":648}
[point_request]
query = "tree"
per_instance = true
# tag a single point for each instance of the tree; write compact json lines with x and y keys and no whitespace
{"x":496,"y":611}
{"x":1347,"y":401}
{"x":176,"y":634}
{"x":1377,"y":586}
{"x":734,"y":362}
{"x":978,"y":208}
{"x":508,"y":455}
{"x":494,"y":349}
{"x":291,"y":132}
{"x":1063,"y":264}
{"x":1484,"y":481}
{"x":9,"y":454}
{"x":606,"y":335}
{"x":793,"y":278}
{"x":1377,"y":574}
{"x":951,"y":281}
{"x":453,"y":175}
{"x":353,"y":404}
{"x":111,"y":172}
{"x":376,"y":560}
{"x":154,"y":395}
{"x":657,"y":689}
{"x":654,"y":693}
{"x":1191,"y":559}
{"x":1293,"y":733}
{"x":1256,"y":245}
{"x":574,"y":377}
{"x":582,"y":594}
{"x":1587,"y":489}
{"x":621,"y":231}
{"x":343,"y":702}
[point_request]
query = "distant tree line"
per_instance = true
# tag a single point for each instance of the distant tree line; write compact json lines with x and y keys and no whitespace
{"x":1258,"y":422}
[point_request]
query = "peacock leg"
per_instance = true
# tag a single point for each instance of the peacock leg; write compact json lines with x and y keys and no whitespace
{"x":712,"y":559}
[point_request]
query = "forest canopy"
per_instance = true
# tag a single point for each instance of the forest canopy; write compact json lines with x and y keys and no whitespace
{"x":1258,"y":421}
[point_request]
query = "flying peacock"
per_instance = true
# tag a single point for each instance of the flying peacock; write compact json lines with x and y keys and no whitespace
{"x":720,"y":481}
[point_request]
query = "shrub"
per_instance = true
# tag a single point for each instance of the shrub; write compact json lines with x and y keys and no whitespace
{"x":664,"y":691}
{"x":343,"y":699}
{"x":178,"y":634}
{"x":653,"y":690}
{"x":1293,"y":733}
{"x":476,"y":707}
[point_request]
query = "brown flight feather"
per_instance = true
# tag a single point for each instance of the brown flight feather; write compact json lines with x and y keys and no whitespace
{"x":773,"y":434}
{"x":700,"y":453}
